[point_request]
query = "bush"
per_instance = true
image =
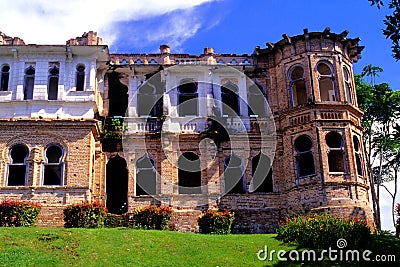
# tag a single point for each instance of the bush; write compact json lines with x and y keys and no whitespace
{"x":323,"y":231}
{"x":16,"y":213}
{"x":114,"y":220}
{"x":215,"y":222}
{"x":151,"y":217}
{"x":84,"y":215}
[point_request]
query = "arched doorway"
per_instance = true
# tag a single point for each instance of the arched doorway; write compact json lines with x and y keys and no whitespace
{"x":117,"y":185}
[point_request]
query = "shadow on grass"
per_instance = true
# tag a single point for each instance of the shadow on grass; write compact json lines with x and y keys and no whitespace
{"x":385,"y":251}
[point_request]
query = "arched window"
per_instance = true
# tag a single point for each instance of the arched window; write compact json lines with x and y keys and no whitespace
{"x":5,"y":77}
{"x":53,"y":166}
{"x":29,"y":82}
{"x":138,"y":61}
{"x":256,"y":100}
{"x":297,"y":86}
{"x":17,"y":167}
{"x":234,"y":180}
{"x":152,"y":62}
{"x":147,"y":101}
{"x":189,"y":174}
{"x":357,"y":155}
{"x":347,"y":84}
{"x":187,"y":98}
{"x":262,"y":173}
{"x":52,"y":90}
{"x":334,"y":141}
{"x":326,"y":82}
{"x":230,"y":99}
{"x":304,"y":158}
{"x":145,"y":177}
{"x":80,"y":78}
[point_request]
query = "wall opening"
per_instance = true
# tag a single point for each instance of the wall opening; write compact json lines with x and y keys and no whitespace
{"x":256,"y":100}
{"x":262,"y":173}
{"x":187,"y":98}
{"x":53,"y":167}
{"x":304,"y":156}
{"x":29,"y":82}
{"x":347,"y":84}
{"x":234,"y":180}
{"x":189,"y":174}
{"x":326,"y":82}
{"x":357,"y":155}
{"x":145,"y":176}
{"x":5,"y":77}
{"x":230,"y":99}
{"x":117,"y":185}
{"x":298,"y":86}
{"x":117,"y":96}
{"x":334,"y":141}
{"x":80,"y":78}
{"x":149,"y":101}
{"x":52,"y":89}
{"x":17,"y":166}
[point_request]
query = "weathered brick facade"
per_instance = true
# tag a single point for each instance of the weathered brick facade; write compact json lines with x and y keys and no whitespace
{"x":315,"y":142}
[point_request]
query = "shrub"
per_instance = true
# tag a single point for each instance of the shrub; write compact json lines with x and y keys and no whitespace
{"x":151,"y":217}
{"x":17,"y":213}
{"x":84,"y":215}
{"x":215,"y":222}
{"x":114,"y":220}
{"x":323,"y":231}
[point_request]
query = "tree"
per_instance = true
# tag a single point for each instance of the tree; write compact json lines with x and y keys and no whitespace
{"x":372,"y":72}
{"x":381,"y":106}
{"x":392,"y":22}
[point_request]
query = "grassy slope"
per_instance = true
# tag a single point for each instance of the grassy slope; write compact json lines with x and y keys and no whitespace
{"x":127,"y":247}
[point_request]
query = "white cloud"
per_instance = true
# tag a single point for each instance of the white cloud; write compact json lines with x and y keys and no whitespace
{"x":54,"y":22}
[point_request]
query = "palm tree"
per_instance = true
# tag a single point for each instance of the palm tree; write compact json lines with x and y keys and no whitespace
{"x":371,"y":72}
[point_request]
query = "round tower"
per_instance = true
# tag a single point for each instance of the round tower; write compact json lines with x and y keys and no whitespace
{"x":319,"y":161}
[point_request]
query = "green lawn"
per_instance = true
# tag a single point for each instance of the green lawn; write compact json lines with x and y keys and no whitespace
{"x":128,"y":247}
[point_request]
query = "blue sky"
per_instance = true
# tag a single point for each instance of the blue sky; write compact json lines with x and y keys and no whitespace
{"x":237,"y":26}
{"x":229,"y":26}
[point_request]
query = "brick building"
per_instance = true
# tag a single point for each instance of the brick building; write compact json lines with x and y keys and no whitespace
{"x":273,"y":133}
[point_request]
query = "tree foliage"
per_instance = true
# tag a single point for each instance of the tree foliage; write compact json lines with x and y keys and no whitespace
{"x":392,"y":23}
{"x":381,"y":106}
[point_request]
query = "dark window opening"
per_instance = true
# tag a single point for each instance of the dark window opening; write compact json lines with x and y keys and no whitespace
{"x":347,"y":82}
{"x":304,"y":158}
{"x":189,"y":174}
{"x":357,"y":155}
{"x":298,"y":86}
{"x":17,"y":167}
{"x":5,"y":76}
{"x":234,"y":180}
{"x":230,"y":100}
{"x":53,"y":166}
{"x":262,"y":173}
{"x":187,"y":99}
{"x":29,"y":82}
{"x":145,"y":177}
{"x":117,"y":185}
{"x":326,"y":83}
{"x":256,"y":101}
{"x":53,"y":83}
{"x":117,"y":96}
{"x":80,"y":78}
{"x":334,"y":141}
{"x":149,"y":102}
